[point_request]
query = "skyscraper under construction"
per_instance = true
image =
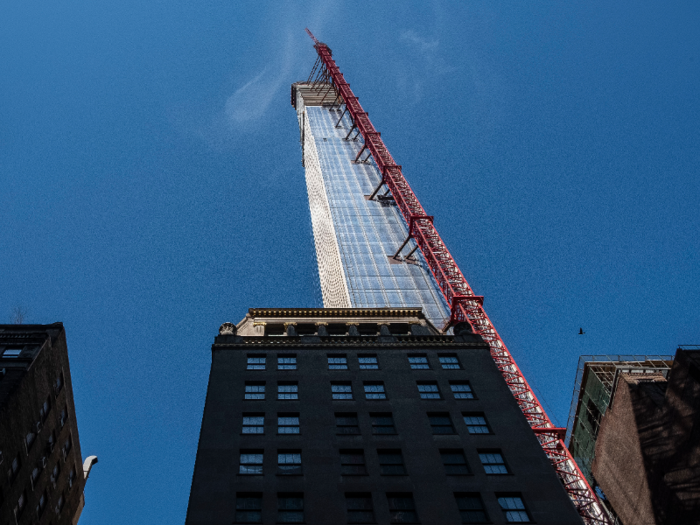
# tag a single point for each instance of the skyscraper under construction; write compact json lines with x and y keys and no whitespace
{"x":397,"y":402}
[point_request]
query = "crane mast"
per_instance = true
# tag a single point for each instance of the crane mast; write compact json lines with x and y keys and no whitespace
{"x":465,"y":306}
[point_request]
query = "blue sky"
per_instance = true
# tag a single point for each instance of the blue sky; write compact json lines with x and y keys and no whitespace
{"x":151,"y":188}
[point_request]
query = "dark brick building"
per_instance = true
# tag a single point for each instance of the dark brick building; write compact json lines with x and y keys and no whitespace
{"x":647,"y":452}
{"x":327,"y":416}
{"x":42,"y":476}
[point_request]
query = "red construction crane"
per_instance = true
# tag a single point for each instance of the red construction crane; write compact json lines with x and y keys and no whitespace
{"x":465,"y":306}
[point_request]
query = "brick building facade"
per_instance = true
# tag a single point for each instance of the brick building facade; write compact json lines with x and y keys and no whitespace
{"x":41,"y":468}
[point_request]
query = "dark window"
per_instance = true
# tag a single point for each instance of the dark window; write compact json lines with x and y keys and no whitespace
{"x":428,"y":390}
{"x":346,"y":423}
{"x":401,"y":508}
{"x":449,"y":361}
{"x":12,"y":352}
{"x":44,"y":410}
{"x":254,"y":390}
{"x":253,"y":424}
{"x":64,"y":417}
{"x":374,"y":390}
{"x":256,"y":362}
{"x":352,"y":462}
{"x":289,"y":462}
{"x":31,"y":436}
{"x":455,"y":462}
{"x":368,"y":362}
{"x":471,"y":508}
{"x":290,"y":508}
{"x":21,"y":503}
{"x":287,"y":423}
{"x":337,"y":362}
{"x":14,"y":468}
{"x":382,"y":423}
{"x":287,"y":390}
{"x":251,"y":462}
{"x":360,"y":508}
{"x":341,"y":390}
{"x":71,"y":478}
{"x":462,"y":389}
{"x":441,"y":423}
{"x":418,"y":362}
{"x":67,"y":446}
{"x":42,"y":503}
{"x":248,"y":507}
{"x":59,"y":383}
{"x":493,"y":462}
{"x":513,"y":508}
{"x":476,"y":423}
{"x":391,"y":463}
{"x":287,"y":362}
{"x":593,"y":416}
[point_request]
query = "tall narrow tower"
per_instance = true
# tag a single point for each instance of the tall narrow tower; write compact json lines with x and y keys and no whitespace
{"x":376,"y":246}
{"x":357,"y":225}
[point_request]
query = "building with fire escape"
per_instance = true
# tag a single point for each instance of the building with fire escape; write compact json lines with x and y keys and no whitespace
{"x":402,"y":342}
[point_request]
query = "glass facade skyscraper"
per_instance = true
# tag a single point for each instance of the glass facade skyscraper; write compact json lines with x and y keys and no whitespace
{"x":356,"y":237}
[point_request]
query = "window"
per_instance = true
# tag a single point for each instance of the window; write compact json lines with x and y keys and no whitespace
{"x":287,"y":362}
{"x":59,"y":383}
{"x":428,"y":390}
{"x":455,"y":462}
{"x":341,"y":390}
{"x":346,"y":424}
{"x":368,"y":362}
{"x":449,"y":361}
{"x":12,"y":352}
{"x":287,"y":390}
{"x":29,"y":439}
{"x":35,"y":475}
{"x":493,"y":462}
{"x":401,"y":508}
{"x":382,"y":423}
{"x":248,"y":507}
{"x":44,"y":410}
{"x":374,"y":390}
{"x":254,"y":390}
{"x":360,"y":508}
{"x":513,"y":507}
{"x":476,"y":423}
{"x":71,"y":478}
{"x":391,"y":463}
{"x":418,"y":362}
{"x":253,"y":423}
{"x":287,"y":423}
{"x":256,"y":362}
{"x":289,"y":462}
{"x":337,"y":362}
{"x":67,"y":446}
{"x":21,"y":502}
{"x":471,"y":508}
{"x":461,"y":389}
{"x":54,"y":474}
{"x":60,"y":503}
{"x":251,"y":462}
{"x":352,"y":463}
{"x":64,"y":417}
{"x":441,"y":423}
{"x":14,"y":468}
{"x":290,"y":508}
{"x":42,"y":503}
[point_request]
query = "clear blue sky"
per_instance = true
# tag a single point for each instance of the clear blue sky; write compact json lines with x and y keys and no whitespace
{"x":151,"y":187}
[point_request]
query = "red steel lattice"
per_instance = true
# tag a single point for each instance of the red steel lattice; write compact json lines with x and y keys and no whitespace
{"x":465,"y":305}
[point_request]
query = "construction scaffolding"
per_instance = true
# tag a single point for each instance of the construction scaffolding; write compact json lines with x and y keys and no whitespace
{"x":596,"y":378}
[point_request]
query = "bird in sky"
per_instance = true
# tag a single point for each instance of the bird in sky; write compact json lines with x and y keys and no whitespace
{"x":580,"y":331}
